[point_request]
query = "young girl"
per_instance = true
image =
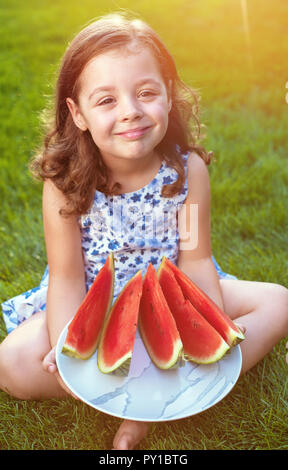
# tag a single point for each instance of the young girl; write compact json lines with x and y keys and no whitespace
{"x":122,"y":147}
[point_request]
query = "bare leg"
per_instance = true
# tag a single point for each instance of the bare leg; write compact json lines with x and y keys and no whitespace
{"x":22,"y":374}
{"x":21,"y":354}
{"x":263,"y":310}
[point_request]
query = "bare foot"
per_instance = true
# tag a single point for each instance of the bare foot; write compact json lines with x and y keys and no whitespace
{"x":129,"y":434}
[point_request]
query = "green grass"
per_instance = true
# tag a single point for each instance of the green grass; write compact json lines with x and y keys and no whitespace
{"x":246,"y":117}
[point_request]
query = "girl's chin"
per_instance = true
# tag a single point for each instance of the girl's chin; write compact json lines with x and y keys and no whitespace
{"x":129,"y":154}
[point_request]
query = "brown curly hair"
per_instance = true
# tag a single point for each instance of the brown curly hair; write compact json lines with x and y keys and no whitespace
{"x":69,"y":156}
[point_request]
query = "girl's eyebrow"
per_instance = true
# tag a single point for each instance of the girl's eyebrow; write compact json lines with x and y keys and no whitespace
{"x":100,"y":88}
{"x":111,"y":88}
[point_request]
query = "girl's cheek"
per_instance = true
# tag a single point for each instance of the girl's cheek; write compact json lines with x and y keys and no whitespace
{"x":161,"y":115}
{"x":100,"y":120}
{"x":160,"y":108}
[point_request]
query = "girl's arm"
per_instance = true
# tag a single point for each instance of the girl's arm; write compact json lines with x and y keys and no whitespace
{"x":196,"y":261}
{"x":66,"y":288}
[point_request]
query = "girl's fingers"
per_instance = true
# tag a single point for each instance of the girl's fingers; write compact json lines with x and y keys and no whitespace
{"x":49,"y":365}
{"x":49,"y":362}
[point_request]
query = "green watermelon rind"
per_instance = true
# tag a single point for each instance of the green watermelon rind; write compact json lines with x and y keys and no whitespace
{"x":177,"y":358}
{"x":69,"y":351}
{"x":221,"y":351}
{"x":122,"y":366}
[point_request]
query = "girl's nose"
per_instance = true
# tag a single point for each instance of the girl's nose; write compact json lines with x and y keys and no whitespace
{"x":130,"y":110}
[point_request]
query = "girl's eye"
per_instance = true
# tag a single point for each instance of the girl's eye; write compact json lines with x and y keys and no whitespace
{"x":105,"y":101}
{"x":147,"y":93}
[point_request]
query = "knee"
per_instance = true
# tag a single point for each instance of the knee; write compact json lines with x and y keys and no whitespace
{"x":279,"y":295}
{"x":13,"y":370}
{"x":277,"y":298}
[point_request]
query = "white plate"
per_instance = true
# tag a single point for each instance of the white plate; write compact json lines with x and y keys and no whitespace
{"x":148,"y":393}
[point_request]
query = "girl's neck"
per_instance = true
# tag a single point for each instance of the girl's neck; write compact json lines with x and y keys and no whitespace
{"x":134,"y":175}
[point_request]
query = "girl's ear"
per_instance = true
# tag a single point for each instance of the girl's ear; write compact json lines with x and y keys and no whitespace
{"x":76,"y":114}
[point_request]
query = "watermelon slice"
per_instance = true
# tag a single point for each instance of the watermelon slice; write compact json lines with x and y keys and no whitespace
{"x":157,"y":325}
{"x":201,"y":342}
{"x":85,"y":328}
{"x":213,"y":314}
{"x":119,"y":331}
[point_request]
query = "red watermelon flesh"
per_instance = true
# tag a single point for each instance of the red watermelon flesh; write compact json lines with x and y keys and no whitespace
{"x":85,"y":328}
{"x":157,"y":325}
{"x":205,"y":305}
{"x":118,"y":336}
{"x":201,"y":342}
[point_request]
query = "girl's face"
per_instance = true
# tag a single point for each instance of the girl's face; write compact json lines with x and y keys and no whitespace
{"x":124,"y":104}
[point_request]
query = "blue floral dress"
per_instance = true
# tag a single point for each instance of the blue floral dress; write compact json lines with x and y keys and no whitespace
{"x":139,"y":227}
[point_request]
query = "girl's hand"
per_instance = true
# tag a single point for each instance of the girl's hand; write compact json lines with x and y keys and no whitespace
{"x":49,"y":365}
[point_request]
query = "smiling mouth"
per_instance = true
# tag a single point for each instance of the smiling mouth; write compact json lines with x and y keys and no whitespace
{"x":134,"y":134}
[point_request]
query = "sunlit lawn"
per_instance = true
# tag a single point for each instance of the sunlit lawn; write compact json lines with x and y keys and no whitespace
{"x":241,"y":78}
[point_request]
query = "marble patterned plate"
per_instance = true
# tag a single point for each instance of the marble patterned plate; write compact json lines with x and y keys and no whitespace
{"x":148,"y":393}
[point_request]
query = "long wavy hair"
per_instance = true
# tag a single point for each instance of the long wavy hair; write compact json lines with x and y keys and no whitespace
{"x":69,"y":156}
